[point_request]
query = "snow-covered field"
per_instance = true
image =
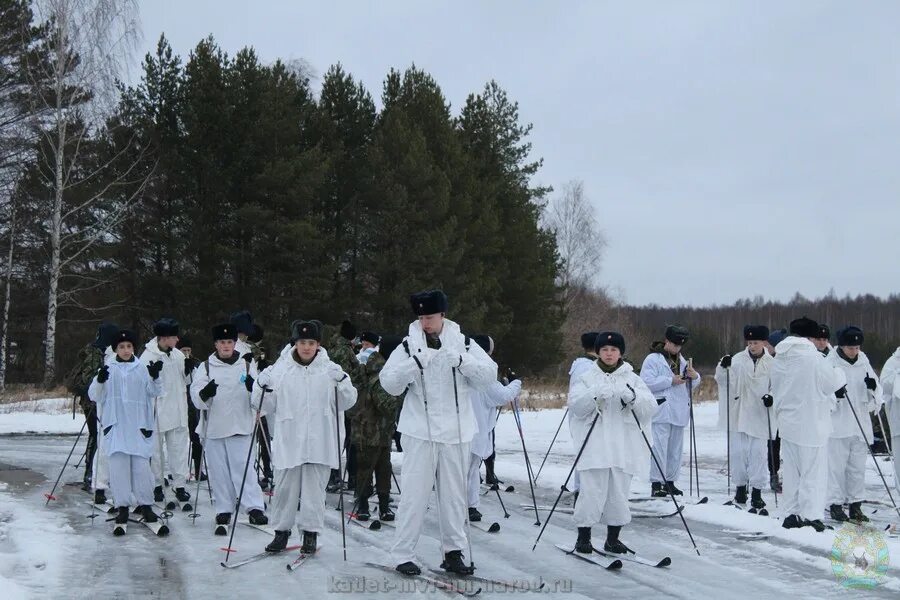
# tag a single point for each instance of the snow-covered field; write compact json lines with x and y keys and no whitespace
{"x":57,"y":550}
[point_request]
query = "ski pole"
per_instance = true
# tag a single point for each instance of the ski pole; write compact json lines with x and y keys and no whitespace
{"x":462,"y":472}
{"x":337,"y":428}
{"x":50,"y":496}
{"x":877,"y":466}
{"x":196,"y":514}
{"x":496,"y":488}
{"x":83,"y":456}
{"x":771,"y":450}
{"x":394,"y":477}
{"x":553,"y":441}
{"x":693,"y":436}
{"x":678,"y":508}
{"x":237,"y":503}
{"x":563,"y":487}
{"x":728,"y":427}
{"x":537,"y":516}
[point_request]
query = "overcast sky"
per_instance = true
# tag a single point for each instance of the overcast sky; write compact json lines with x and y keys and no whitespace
{"x":730,"y":148}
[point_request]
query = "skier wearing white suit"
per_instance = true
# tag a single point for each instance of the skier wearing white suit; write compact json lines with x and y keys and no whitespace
{"x":804,"y":387}
{"x":848,"y":446}
{"x":747,"y":375}
{"x":303,"y":394}
{"x":610,"y":392}
{"x":438,"y":423}
{"x":891,"y":396}
{"x":579,"y":366}
{"x":221,"y":390}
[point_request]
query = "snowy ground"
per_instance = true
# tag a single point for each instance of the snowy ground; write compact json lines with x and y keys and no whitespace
{"x":58,"y":550}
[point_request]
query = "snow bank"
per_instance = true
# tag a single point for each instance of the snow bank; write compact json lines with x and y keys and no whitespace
{"x":50,"y":415}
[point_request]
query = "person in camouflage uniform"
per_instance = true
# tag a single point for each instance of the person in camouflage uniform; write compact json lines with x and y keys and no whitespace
{"x":374,"y":422}
{"x":340,"y":350}
{"x":90,"y":359}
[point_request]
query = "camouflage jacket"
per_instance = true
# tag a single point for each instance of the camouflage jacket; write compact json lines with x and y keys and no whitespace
{"x":375,"y":415}
{"x":341,"y":352}
{"x":90,"y":359}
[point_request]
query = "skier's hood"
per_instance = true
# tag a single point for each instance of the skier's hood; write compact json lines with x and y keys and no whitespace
{"x":794,"y":348}
{"x":153,"y":348}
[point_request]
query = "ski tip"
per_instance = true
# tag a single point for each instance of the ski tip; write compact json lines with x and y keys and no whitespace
{"x":163,"y":531}
{"x":664,"y":562}
{"x":703,"y":500}
{"x":614,"y":565}
{"x":186,"y":508}
{"x":494,"y":528}
{"x":376,"y":525}
{"x":510,"y":488}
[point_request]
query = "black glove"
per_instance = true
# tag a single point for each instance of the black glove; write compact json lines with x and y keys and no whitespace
{"x":248,"y":383}
{"x":209,"y":390}
{"x":154,"y":369}
{"x":768,"y":400}
{"x":248,"y":357}
{"x":262,"y":364}
{"x":726,"y":362}
{"x":511,"y":375}
{"x":103,"y":374}
{"x":147,"y":433}
{"x":871,"y":384}
{"x":841,"y":393}
{"x":188,"y":366}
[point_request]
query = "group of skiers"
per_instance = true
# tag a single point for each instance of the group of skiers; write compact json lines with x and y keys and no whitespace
{"x":439,"y":389}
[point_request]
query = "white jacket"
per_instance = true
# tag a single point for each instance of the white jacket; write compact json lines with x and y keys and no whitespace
{"x":749,"y":383}
{"x":171,"y":405}
{"x":485,"y":403}
{"x":657,"y":374}
{"x":579,"y":366}
{"x":616,"y":440}
{"x":229,"y":412}
{"x":892,"y":391}
{"x":843,"y":424}
{"x":126,"y":402}
{"x":303,"y":409}
{"x":803,"y":386}
{"x":401,"y":372}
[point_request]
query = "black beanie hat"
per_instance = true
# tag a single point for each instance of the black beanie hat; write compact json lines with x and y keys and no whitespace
{"x":165,"y":327}
{"x":485,"y":341}
{"x":756,"y":332}
{"x":243,"y":320}
{"x":306,"y":330}
{"x":588,"y":339}
{"x":677,"y":334}
{"x":348,"y":330}
{"x":106,"y":335}
{"x":610,"y":338}
{"x":388,"y":344}
{"x":124,"y":335}
{"x":804,"y":327}
{"x":850,"y":336}
{"x":225,"y":331}
{"x":431,"y":302}
{"x":369,"y":336}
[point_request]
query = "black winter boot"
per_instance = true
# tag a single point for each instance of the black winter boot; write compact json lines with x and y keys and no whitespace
{"x":815,"y":524}
{"x":409,"y":568}
{"x":657,"y":490}
{"x":309,"y":542}
{"x":147,"y":514}
{"x":453,"y":562}
{"x":182,"y":495}
{"x":384,"y":508}
{"x":258,"y":517}
{"x":612,"y":543}
{"x":837,"y":513}
{"x":740,"y":495}
{"x":756,"y":500}
{"x":792,"y":522}
{"x":99,"y":496}
{"x":122,"y":515}
{"x":670,"y":485}
{"x":474,"y":515}
{"x":280,"y":542}
{"x":362,"y":509}
{"x":583,"y":543}
{"x":158,"y":495}
{"x":856,"y":513}
{"x":223,"y":518}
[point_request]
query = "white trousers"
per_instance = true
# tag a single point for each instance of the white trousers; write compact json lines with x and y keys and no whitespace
{"x":603,"y":498}
{"x":749,"y":456}
{"x":805,"y":472}
{"x":895,"y":444}
{"x":130,"y":479}
{"x":225,"y":459}
{"x":100,"y":477}
{"x":668,"y":444}
{"x":474,"y":486}
{"x":846,"y":470}
{"x":419,"y":475}
{"x":176,"y":441}
{"x":307,"y":482}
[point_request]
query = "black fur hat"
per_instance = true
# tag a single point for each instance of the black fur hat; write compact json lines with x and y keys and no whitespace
{"x":124,"y":335}
{"x":225,"y":331}
{"x":348,"y":330}
{"x":850,"y":336}
{"x":610,"y":338}
{"x":756,"y":332}
{"x":306,"y":330}
{"x":388,"y":344}
{"x":429,"y":303}
{"x":369,"y":336}
{"x":485,"y":341}
{"x":165,"y":327}
{"x":106,"y":335}
{"x":184,"y":342}
{"x":677,"y":334}
{"x":804,"y":327}
{"x":243,"y":320}
{"x":588,"y":339}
